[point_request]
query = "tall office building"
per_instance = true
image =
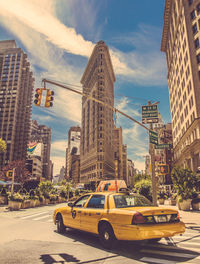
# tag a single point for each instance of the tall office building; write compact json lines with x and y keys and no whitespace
{"x":42,"y":134}
{"x":16,"y":88}
{"x":97,"y":152}
{"x":180,"y":42}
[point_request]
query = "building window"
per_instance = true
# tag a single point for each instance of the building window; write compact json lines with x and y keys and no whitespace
{"x":190,"y":2}
{"x":194,"y":28}
{"x":196,"y":43}
{"x":192,"y":14}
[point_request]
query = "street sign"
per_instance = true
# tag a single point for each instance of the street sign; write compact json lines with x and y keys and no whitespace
{"x":162,"y":146}
{"x":149,"y":121}
{"x":149,"y":114}
{"x":153,"y":137}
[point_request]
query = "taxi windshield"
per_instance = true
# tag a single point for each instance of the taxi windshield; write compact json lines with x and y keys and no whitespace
{"x":122,"y":201}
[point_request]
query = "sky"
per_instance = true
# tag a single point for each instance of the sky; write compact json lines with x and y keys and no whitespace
{"x":59,"y":36}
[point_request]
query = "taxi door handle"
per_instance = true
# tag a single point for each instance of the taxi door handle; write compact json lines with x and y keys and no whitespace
{"x":79,"y":211}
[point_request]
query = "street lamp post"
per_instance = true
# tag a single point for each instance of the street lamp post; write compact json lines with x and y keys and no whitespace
{"x":13,"y":180}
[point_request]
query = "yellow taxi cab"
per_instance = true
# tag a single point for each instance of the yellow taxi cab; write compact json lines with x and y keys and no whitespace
{"x":119,"y":215}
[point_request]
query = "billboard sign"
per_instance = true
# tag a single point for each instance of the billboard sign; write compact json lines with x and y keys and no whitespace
{"x":34,"y":148}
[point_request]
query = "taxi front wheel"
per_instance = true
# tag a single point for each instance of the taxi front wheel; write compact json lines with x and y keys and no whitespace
{"x":60,"y":226}
{"x":107,"y":236}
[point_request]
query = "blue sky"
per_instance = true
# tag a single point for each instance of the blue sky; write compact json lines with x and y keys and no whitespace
{"x":59,"y":36}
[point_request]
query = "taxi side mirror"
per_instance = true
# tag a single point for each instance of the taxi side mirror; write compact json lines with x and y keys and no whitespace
{"x":70,"y":204}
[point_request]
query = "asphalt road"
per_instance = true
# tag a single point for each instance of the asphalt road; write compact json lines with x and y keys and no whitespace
{"x":29,"y":237}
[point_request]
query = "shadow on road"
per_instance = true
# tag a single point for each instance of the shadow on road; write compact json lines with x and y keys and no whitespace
{"x":134,"y":250}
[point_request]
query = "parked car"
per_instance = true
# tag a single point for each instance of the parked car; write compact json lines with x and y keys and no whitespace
{"x":119,"y":216}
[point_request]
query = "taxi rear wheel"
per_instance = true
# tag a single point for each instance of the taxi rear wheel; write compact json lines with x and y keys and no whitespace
{"x":107,"y":236}
{"x":60,"y":226}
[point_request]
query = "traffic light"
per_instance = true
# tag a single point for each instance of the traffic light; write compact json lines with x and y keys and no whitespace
{"x":9,"y":174}
{"x":38,"y":96}
{"x":163,"y":168}
{"x":49,"y":98}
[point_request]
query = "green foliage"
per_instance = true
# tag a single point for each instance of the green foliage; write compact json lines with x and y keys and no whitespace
{"x":2,"y":146}
{"x":17,"y":197}
{"x":138,"y":177}
{"x":53,"y":197}
{"x":45,"y":188}
{"x":184,"y":182}
{"x":162,"y":195}
{"x":3,"y":191}
{"x":144,"y":187}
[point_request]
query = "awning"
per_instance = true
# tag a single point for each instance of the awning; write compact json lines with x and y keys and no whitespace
{"x":3,"y":183}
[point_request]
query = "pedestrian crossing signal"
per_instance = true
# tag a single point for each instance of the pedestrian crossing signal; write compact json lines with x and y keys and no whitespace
{"x":49,"y":98}
{"x":38,"y":96}
{"x":163,"y":168}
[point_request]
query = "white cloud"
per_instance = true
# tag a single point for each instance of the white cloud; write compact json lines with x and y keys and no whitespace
{"x":59,"y":146}
{"x":58,"y":162}
{"x":58,"y":155}
{"x":142,"y":68}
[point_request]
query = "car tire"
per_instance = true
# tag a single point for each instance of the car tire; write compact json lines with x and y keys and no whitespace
{"x":59,"y":223}
{"x":107,"y":236}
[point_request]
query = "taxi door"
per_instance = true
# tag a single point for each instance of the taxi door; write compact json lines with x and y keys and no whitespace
{"x":91,"y":215}
{"x":74,"y":215}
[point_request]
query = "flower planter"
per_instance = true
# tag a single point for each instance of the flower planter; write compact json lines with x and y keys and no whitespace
{"x":37,"y":203}
{"x":161,"y":201}
{"x":26,"y":204}
{"x":3,"y":199}
{"x":172,"y":202}
{"x":195,"y":206}
{"x":14,"y":205}
{"x":185,"y":205}
{"x":32,"y":203}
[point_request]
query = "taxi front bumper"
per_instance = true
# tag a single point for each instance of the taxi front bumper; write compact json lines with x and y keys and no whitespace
{"x":150,"y":231}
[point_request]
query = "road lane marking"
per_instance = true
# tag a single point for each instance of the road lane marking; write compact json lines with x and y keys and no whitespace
{"x":41,"y":217}
{"x":29,"y":216}
{"x":175,"y":254}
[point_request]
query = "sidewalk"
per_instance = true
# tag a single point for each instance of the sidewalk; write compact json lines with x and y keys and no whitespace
{"x":190,"y":218}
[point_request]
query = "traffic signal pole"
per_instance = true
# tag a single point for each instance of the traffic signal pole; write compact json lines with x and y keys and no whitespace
{"x":93,"y":99}
{"x":152,"y":154}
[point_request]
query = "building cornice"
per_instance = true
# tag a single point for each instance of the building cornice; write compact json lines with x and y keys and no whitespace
{"x":168,"y":4}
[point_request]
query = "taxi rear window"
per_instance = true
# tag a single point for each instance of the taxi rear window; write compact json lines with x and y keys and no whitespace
{"x":122,"y":201}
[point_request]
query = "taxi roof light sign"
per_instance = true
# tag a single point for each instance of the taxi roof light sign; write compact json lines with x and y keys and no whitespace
{"x":111,"y":185}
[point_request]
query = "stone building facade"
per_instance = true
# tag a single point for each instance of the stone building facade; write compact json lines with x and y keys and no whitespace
{"x":97,"y":151}
{"x":181,"y":43}
{"x":16,"y":91}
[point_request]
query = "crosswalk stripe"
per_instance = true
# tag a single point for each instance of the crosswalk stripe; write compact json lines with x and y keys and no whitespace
{"x":41,"y":217}
{"x":167,"y":253}
{"x":176,"y":246}
{"x":158,"y":261}
{"x":29,"y":216}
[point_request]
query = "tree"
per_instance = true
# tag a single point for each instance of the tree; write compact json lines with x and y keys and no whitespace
{"x":2,"y":146}
{"x":21,"y":173}
{"x":184,"y":181}
{"x":144,"y":187}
